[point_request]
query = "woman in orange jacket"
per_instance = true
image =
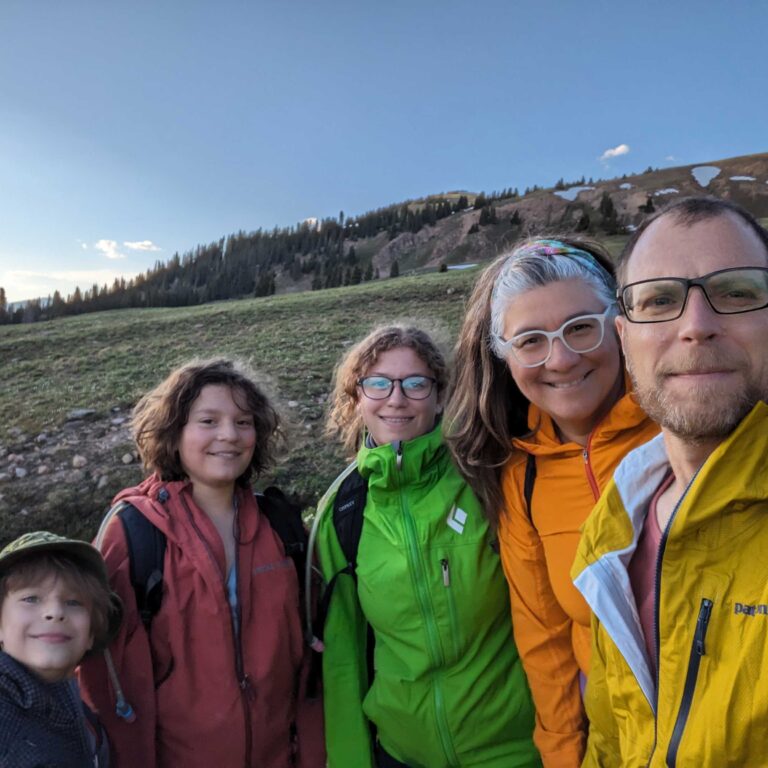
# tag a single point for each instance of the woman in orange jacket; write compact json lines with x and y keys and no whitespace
{"x":539,"y":418}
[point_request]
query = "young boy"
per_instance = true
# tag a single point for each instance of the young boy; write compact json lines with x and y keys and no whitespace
{"x":55,"y":607}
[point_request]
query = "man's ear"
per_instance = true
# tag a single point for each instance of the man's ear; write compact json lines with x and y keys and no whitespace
{"x":621,"y":325}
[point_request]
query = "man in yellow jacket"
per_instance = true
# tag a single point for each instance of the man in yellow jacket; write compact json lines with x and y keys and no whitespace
{"x":674,"y":559}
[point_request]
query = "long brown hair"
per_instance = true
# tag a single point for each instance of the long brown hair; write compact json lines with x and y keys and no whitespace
{"x":486,"y":408}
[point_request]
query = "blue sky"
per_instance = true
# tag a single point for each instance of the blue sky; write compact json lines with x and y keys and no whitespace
{"x":132,"y":130}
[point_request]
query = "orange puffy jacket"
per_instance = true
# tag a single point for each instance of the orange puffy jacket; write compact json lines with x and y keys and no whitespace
{"x":550,"y":617}
{"x":205,"y":695}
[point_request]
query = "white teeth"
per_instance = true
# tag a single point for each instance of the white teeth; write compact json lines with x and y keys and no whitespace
{"x":567,"y":384}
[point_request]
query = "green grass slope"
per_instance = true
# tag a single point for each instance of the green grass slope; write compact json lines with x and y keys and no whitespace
{"x":105,"y":361}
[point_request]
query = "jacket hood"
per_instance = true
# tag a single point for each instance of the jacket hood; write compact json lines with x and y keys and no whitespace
{"x":155,"y":498}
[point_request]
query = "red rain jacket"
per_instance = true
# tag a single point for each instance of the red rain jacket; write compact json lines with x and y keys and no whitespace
{"x":204,"y":695}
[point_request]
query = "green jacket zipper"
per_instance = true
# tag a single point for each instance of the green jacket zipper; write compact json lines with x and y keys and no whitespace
{"x":422,"y":593}
{"x":455,"y":637}
{"x":694,"y":660}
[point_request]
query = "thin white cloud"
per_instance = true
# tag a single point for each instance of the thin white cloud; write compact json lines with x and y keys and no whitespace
{"x":141,"y":245}
{"x":622,"y":149}
{"x":670,"y":158}
{"x":109,"y":248}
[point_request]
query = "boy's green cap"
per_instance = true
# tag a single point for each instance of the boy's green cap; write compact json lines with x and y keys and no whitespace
{"x":38,"y":541}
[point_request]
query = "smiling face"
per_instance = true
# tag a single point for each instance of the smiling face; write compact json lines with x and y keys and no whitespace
{"x":576,"y":390}
{"x":46,"y":627}
{"x":218,"y":440}
{"x":700,"y":374}
{"x":397,"y":417}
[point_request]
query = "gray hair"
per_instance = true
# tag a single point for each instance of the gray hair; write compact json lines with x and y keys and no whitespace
{"x":540,"y":262}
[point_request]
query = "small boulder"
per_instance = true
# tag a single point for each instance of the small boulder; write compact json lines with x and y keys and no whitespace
{"x":78,"y":461}
{"x":127,"y":458}
{"x":78,"y":414}
{"x":19,"y":472}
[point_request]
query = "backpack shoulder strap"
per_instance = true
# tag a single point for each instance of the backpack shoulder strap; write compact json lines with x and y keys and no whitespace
{"x":286,"y":522}
{"x":146,"y":554}
{"x":530,"y":480}
{"x":348,"y":509}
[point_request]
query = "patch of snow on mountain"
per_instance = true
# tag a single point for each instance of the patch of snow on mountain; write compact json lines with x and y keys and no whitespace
{"x":625,"y":185}
{"x":461,"y":266}
{"x":572,"y":193}
{"x":704,"y":174}
{"x":667,"y":191}
{"x":743,"y":178}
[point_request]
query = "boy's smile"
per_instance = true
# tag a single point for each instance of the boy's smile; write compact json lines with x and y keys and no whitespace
{"x":46,"y":627}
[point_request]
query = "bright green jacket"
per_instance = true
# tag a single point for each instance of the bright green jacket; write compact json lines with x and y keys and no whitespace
{"x":449,"y":688}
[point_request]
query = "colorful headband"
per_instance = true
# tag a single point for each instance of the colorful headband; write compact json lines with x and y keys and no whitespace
{"x":559,"y":248}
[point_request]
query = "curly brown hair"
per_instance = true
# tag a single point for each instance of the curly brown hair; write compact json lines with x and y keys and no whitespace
{"x":486,"y":409}
{"x":160,"y":416}
{"x":344,"y":420}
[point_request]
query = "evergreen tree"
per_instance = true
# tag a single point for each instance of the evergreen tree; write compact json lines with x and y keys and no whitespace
{"x":610,"y":218}
{"x":3,"y":306}
{"x":394,"y":270}
{"x":582,"y":225}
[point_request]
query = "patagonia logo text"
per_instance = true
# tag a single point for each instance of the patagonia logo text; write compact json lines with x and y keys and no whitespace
{"x":761,"y":609}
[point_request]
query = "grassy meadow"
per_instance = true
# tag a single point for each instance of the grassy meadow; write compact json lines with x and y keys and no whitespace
{"x":102,"y":360}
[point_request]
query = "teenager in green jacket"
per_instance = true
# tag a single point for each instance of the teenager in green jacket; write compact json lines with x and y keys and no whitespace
{"x":448,"y":688}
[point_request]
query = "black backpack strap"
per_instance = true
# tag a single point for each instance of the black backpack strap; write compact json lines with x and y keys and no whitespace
{"x":348,"y":507}
{"x":530,"y":480}
{"x":146,"y":554}
{"x":286,"y":522}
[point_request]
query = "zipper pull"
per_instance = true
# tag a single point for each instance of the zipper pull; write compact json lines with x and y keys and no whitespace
{"x":246,"y":687}
{"x":398,"y":445}
{"x":446,"y":572}
{"x":701,"y":625}
{"x":585,"y":454}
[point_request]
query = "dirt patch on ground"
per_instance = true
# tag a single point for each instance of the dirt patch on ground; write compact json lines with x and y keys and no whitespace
{"x":64,"y":478}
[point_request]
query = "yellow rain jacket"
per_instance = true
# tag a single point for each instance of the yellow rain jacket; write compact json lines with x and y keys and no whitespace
{"x":709,"y":704}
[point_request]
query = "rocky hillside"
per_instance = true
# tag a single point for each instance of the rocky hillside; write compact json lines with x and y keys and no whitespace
{"x":463,"y":237}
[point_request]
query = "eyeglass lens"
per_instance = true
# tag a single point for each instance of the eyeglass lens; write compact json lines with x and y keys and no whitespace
{"x":381,"y":387}
{"x":582,"y":334}
{"x":728,"y":292}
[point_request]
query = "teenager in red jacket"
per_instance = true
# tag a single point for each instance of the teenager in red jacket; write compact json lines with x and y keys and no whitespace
{"x":215,"y":680}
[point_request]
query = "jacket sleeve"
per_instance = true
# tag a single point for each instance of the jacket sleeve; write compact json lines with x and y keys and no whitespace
{"x":603,"y":750}
{"x":543,"y":634}
{"x":132,"y":743}
{"x":345,"y":672}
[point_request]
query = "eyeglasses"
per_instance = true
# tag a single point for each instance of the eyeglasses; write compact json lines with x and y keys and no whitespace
{"x":580,"y":334}
{"x":381,"y":387}
{"x":728,"y":291}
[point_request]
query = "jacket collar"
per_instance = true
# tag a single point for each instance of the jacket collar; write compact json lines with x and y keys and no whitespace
{"x":54,"y":703}
{"x":399,"y":463}
{"x":544,"y":441}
